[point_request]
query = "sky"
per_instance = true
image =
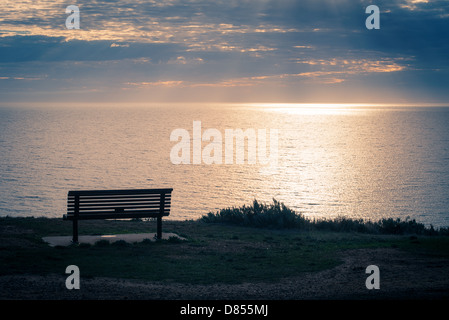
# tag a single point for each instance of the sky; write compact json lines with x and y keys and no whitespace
{"x":277,"y":51}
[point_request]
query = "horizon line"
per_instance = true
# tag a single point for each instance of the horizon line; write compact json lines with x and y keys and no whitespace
{"x":215,"y":103}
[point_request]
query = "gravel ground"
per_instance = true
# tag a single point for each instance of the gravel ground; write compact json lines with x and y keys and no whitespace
{"x":402,"y":276}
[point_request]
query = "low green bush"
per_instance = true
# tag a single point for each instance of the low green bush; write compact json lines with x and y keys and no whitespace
{"x":276,"y":215}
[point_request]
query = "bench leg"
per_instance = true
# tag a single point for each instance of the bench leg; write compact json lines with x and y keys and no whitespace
{"x":75,"y":231}
{"x":159,"y":228}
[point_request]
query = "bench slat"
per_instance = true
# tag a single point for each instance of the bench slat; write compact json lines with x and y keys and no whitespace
{"x":119,"y":192}
{"x":119,"y":204}
{"x":128,"y":212}
{"x":114,"y":216}
{"x":97,"y":209}
{"x":112,"y":196}
{"x":94,"y":200}
{"x":144,"y":200}
{"x":112,"y":203}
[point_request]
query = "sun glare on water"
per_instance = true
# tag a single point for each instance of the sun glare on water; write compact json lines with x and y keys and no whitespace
{"x":313,"y":108}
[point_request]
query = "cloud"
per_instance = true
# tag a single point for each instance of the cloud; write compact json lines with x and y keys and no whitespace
{"x":118,"y":45}
{"x":353,"y":66}
{"x":251,"y":44}
{"x":170,"y":83}
{"x":44,"y":48}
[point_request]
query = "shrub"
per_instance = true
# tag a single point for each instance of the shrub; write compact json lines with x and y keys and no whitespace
{"x":260,"y":215}
{"x":278,"y":216}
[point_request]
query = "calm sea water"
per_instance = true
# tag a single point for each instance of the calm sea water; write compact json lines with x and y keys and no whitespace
{"x":359,"y":162}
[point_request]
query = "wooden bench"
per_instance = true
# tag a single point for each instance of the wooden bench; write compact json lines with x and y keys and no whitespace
{"x":118,"y":204}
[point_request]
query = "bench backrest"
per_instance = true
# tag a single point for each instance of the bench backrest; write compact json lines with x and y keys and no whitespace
{"x":89,"y":204}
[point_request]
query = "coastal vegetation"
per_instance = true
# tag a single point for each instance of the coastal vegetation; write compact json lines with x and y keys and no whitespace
{"x":256,"y":243}
{"x":276,"y":215}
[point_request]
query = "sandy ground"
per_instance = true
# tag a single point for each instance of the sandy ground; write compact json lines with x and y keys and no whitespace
{"x":402,"y":276}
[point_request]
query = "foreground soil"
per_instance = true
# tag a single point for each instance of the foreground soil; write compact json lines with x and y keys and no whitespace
{"x":402,"y":276}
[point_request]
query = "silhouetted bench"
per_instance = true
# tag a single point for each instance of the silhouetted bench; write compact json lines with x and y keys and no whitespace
{"x":118,"y":204}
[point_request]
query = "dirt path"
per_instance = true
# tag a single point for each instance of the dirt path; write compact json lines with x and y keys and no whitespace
{"x":402,"y":276}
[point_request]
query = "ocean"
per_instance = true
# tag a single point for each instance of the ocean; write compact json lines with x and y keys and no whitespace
{"x":355,"y":161}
